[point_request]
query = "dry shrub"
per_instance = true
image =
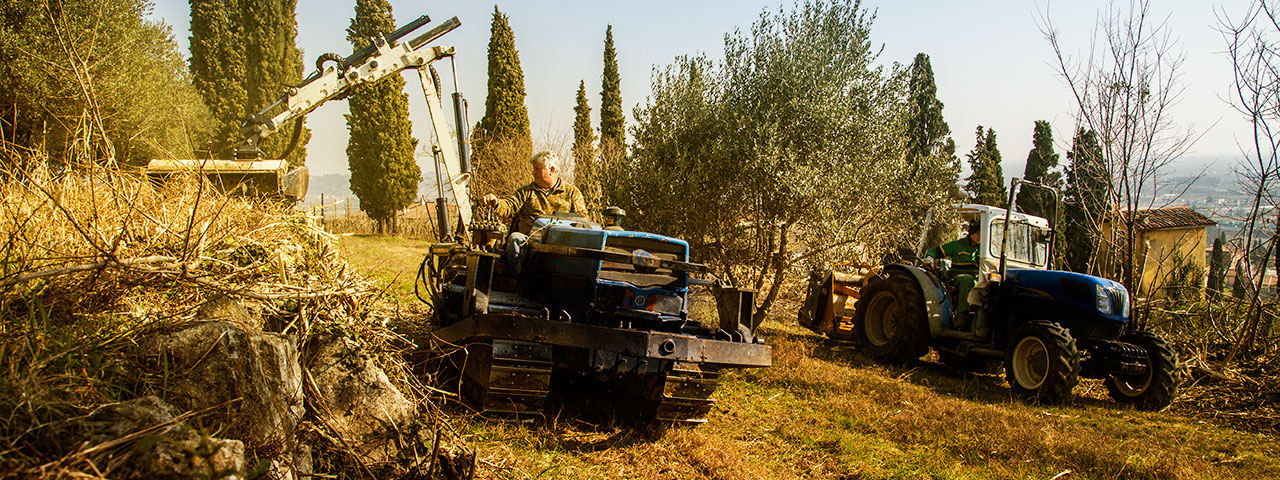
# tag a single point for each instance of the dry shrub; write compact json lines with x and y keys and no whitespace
{"x":94,"y":259}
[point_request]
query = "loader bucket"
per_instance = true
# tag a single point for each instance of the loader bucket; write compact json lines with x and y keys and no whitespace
{"x":828,"y":308}
{"x":254,"y":178}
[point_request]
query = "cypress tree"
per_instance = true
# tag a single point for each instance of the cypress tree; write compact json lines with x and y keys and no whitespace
{"x":218,"y":70}
{"x":928,"y":134}
{"x":1084,"y":201}
{"x":1217,"y":268}
{"x":986,"y":183}
{"x":584,"y":170}
{"x":612,"y":135}
{"x":244,"y":54}
{"x":380,"y":152}
{"x":502,"y":142}
{"x":1041,"y":162}
{"x":931,"y":153}
{"x":273,"y":62}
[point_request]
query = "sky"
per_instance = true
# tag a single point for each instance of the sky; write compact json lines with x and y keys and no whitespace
{"x":991,"y":62}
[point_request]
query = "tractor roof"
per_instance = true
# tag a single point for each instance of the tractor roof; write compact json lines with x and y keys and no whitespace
{"x":973,"y":210}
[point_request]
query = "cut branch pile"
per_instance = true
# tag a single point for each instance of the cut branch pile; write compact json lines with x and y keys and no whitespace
{"x":92,"y":260}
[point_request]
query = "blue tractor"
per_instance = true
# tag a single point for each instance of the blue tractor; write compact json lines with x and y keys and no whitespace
{"x":1048,"y":327}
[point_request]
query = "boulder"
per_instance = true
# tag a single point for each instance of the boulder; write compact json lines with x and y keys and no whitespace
{"x":358,"y":402}
{"x":161,"y":447}
{"x":253,"y":377}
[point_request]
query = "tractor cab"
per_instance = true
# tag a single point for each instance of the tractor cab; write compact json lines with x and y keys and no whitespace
{"x":1028,"y":240}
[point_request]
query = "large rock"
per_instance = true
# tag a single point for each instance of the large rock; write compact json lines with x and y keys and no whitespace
{"x":358,"y":402}
{"x":161,"y":447}
{"x":253,"y":378}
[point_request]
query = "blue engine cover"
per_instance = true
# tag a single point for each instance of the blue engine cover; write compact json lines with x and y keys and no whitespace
{"x":1067,"y":291}
{"x":578,"y":281}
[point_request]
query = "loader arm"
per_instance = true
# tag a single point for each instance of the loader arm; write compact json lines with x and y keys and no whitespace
{"x":335,"y":78}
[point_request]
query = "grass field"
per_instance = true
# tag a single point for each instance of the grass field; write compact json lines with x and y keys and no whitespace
{"x":822,"y":411}
{"x":391,"y":261}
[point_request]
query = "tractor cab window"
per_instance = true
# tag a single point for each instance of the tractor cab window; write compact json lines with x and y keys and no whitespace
{"x":1027,"y":244}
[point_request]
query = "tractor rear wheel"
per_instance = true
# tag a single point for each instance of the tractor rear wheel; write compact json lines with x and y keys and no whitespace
{"x":1043,"y":363}
{"x":1155,"y":388}
{"x":890,"y":323}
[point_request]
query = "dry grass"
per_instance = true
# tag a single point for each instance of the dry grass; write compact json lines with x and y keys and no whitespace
{"x":94,"y":259}
{"x":823,"y":412}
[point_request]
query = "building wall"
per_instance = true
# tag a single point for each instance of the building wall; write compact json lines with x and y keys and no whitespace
{"x":1159,"y":252}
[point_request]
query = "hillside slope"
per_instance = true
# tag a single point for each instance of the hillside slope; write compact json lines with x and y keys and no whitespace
{"x":823,"y":411}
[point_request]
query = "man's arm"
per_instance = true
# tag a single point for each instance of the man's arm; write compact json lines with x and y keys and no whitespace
{"x":577,"y":202}
{"x":506,"y":207}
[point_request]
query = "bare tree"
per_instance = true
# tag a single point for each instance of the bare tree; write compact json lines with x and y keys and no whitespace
{"x":1124,"y":88}
{"x":1252,"y":44}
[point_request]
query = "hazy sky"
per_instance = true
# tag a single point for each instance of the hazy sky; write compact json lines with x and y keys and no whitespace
{"x":990,"y":60}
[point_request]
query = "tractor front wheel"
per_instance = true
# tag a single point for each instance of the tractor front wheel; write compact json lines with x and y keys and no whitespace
{"x":890,"y":323}
{"x":1155,"y":388}
{"x":1043,"y":363}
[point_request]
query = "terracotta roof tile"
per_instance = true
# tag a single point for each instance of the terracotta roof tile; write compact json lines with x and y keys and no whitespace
{"x":1170,"y":217}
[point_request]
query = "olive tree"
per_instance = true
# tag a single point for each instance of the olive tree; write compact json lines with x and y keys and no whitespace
{"x":790,"y":152}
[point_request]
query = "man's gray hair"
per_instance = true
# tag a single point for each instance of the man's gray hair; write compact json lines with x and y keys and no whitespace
{"x":545,"y":157}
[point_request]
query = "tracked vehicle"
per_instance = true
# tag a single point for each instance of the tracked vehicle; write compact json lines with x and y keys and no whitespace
{"x":589,"y":303}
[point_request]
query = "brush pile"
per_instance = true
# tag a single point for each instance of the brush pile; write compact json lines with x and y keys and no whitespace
{"x":152,"y":329}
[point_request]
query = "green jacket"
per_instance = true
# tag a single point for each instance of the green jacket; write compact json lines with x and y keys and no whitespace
{"x":964,"y":255}
{"x":530,"y":201}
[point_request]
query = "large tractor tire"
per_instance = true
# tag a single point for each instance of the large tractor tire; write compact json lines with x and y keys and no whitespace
{"x":1043,"y":363}
{"x":890,"y":323}
{"x":1154,"y":389}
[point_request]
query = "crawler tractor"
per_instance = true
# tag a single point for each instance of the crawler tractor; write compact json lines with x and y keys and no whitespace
{"x":1047,"y":327}
{"x":588,"y":304}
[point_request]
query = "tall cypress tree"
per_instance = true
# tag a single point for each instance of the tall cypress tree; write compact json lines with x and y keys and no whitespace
{"x":502,"y":142}
{"x":273,"y":62}
{"x":384,"y":173}
{"x":612,"y":135}
{"x":584,"y":169}
{"x":1041,"y":162}
{"x":986,"y":183}
{"x":218,"y":70}
{"x":1084,"y":201}
{"x":244,"y":54}
{"x":927,"y":133}
{"x":931,"y":153}
{"x":1217,"y":268}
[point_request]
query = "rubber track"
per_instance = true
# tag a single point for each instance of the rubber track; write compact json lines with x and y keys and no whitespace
{"x":685,"y":394}
{"x":514,"y":377}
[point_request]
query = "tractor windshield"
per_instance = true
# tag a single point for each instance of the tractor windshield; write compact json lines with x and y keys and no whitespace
{"x":1027,"y":244}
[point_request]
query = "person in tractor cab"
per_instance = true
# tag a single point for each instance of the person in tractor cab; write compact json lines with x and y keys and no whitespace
{"x":964,"y":254}
{"x":546,"y":195}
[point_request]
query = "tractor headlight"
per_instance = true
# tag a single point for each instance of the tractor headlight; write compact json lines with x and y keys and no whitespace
{"x":1101,"y":299}
{"x":1127,"y":302}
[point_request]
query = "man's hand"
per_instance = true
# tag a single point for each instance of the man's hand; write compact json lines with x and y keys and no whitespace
{"x":489,"y":200}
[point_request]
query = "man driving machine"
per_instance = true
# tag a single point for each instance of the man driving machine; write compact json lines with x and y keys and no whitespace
{"x":964,"y":255}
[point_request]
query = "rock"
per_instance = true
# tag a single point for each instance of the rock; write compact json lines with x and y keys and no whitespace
{"x":255,"y":374}
{"x":225,"y":309}
{"x":200,"y":457}
{"x":171,"y":450}
{"x":358,"y":402}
